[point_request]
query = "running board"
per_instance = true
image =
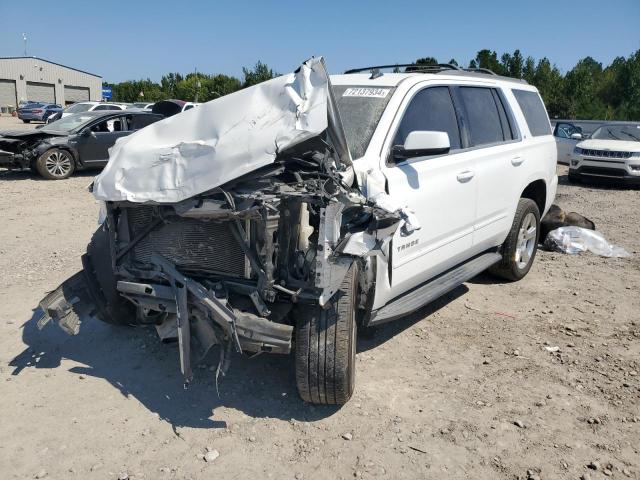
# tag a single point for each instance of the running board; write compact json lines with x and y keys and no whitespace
{"x":433,"y":289}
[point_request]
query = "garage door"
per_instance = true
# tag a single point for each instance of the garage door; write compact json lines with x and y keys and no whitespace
{"x":41,"y":92}
{"x":75,"y":94}
{"x":7,"y":95}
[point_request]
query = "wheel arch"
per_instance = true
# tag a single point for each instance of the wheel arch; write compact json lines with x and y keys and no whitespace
{"x":536,"y":191}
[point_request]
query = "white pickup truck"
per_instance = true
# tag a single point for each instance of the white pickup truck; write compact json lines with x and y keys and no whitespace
{"x":286,"y":216}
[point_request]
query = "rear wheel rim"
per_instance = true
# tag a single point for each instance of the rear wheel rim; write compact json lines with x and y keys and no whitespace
{"x":527,"y":237}
{"x":58,"y":163}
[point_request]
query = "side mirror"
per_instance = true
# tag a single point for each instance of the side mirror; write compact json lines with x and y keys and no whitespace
{"x":576,"y":136}
{"x":422,"y":143}
{"x":86,"y":132}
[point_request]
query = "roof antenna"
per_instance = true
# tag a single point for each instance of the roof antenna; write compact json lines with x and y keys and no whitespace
{"x":24,"y":38}
{"x":375,"y":73}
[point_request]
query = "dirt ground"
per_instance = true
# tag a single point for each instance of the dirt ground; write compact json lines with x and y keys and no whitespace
{"x":461,"y":389}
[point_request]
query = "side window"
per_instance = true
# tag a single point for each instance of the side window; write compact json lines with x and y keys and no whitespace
{"x":534,"y":112}
{"x":102,"y":107}
{"x":431,"y":109}
{"x":565,"y":130}
{"x":188,"y":107}
{"x":141,"y":121}
{"x":483,"y":117}
{"x":102,"y":127}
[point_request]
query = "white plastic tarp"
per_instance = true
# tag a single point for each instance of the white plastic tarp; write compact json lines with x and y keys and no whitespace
{"x":205,"y":147}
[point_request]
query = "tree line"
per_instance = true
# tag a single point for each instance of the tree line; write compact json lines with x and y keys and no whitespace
{"x":588,"y":91}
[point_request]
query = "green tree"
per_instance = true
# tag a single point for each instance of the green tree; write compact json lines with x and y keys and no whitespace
{"x":260,"y":73}
{"x":427,"y":61}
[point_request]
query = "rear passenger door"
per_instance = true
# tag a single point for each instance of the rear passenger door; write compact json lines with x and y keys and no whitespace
{"x":440,"y":189}
{"x":492,"y":136}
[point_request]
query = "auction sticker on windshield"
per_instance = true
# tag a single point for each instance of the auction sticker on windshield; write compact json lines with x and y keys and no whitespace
{"x":366,"y":92}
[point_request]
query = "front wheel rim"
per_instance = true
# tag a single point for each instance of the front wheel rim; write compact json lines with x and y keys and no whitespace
{"x":527,"y":236}
{"x":58,"y":164}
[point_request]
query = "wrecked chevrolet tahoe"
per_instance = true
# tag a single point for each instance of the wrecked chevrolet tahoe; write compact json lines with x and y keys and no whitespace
{"x":286,"y":216}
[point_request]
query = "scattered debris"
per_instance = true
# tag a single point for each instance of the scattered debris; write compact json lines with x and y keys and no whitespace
{"x":417,"y":449}
{"x":519,"y":424}
{"x":41,"y":474}
{"x":552,"y":349}
{"x":595,"y":465}
{"x":556,"y":218}
{"x":211,"y":455}
{"x":347,"y":436}
{"x":573,"y":240}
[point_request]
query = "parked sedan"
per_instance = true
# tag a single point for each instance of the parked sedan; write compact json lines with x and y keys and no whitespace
{"x":73,"y":143}
{"x":38,"y":111}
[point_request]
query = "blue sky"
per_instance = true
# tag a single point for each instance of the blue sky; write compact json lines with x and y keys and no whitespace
{"x":138,"y":38}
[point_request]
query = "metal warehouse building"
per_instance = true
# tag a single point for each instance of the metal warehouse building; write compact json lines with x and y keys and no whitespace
{"x":34,"y":79}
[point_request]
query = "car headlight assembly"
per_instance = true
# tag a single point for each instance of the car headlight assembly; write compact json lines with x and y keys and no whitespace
{"x":577,"y":151}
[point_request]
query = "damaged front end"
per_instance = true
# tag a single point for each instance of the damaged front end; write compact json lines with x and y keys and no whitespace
{"x":18,"y":150}
{"x":235,"y":264}
{"x":229,"y":265}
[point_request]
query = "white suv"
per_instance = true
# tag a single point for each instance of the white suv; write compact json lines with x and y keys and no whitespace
{"x":612,"y":153}
{"x":289,"y":214}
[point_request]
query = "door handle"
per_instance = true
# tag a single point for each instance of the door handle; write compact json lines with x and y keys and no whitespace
{"x":517,"y":161}
{"x":464,"y":177}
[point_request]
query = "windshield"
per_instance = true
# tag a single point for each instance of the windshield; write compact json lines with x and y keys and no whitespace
{"x":360,"y":110}
{"x":67,"y":124}
{"x":78,"y":107}
{"x":618,"y":132}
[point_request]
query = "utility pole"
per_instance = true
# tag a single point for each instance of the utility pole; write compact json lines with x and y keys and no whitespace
{"x":24,"y":38}
{"x":195,"y":100}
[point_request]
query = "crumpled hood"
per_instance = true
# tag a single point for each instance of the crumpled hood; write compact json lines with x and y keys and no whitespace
{"x":613,"y":145}
{"x":205,"y":147}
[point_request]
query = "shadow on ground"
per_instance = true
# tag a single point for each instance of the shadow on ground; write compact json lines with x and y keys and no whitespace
{"x":21,"y":175}
{"x":134,"y":361}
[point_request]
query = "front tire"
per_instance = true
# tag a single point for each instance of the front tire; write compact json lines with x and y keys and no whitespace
{"x":55,"y":164}
{"x":521,"y":245}
{"x":326,"y":346}
{"x":26,"y":121}
{"x":111,"y":307}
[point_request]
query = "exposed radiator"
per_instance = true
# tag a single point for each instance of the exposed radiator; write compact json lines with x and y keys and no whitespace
{"x":190,"y":244}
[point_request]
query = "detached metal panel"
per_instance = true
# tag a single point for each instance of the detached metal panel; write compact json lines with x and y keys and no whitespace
{"x":75,"y":94}
{"x":41,"y":92}
{"x":8,"y":97}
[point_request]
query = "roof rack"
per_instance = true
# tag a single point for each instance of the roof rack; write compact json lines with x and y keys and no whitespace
{"x":408,"y":67}
{"x":376,"y":71}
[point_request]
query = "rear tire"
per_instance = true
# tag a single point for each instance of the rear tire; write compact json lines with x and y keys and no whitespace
{"x":26,"y":121}
{"x":521,"y":245}
{"x":326,"y":346}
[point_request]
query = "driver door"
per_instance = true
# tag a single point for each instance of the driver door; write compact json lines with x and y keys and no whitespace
{"x":94,"y":148}
{"x":564,"y":143}
{"x":440,"y":189}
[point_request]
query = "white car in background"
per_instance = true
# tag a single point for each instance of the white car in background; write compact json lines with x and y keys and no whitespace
{"x":611,"y":153}
{"x":82,"y":107}
{"x":567,"y":136}
{"x":189,"y":106}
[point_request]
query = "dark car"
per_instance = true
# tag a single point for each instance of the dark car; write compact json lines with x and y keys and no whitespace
{"x":76,"y":142}
{"x":38,"y":111}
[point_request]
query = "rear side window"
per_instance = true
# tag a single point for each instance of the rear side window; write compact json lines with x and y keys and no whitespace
{"x":432,"y":110}
{"x":483,"y":117}
{"x":534,"y":112}
{"x":141,"y":121}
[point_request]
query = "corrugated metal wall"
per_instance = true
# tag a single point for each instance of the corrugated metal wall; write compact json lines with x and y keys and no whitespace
{"x":7,"y":95}
{"x":23,"y":70}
